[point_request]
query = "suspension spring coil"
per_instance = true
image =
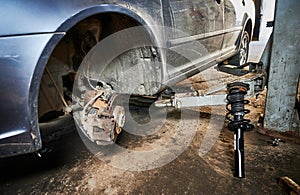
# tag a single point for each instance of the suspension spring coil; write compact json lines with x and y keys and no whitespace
{"x":236,"y":108}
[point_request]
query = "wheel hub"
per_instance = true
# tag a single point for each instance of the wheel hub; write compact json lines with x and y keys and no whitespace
{"x":101,"y":120}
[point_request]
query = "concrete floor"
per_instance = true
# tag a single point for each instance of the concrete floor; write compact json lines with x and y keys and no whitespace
{"x":204,"y":167}
{"x":70,"y":169}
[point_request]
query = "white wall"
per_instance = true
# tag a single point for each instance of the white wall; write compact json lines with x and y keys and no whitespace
{"x":267,"y":11}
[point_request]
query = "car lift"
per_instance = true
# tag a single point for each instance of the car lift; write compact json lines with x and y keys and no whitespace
{"x":250,"y":83}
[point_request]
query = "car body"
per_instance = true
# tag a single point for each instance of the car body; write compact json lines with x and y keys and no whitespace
{"x":31,"y":31}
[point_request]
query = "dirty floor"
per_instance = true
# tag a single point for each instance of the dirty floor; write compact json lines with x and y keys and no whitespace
{"x":204,"y":166}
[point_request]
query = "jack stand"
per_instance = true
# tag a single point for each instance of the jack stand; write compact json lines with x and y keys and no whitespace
{"x":235,"y":106}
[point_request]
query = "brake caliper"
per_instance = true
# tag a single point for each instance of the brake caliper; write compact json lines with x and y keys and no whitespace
{"x":101,"y":119}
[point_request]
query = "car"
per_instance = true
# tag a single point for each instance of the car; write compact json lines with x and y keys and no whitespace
{"x":44,"y":44}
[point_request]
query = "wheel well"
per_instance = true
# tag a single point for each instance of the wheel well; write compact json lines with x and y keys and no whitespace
{"x":94,"y":29}
{"x":68,"y":55}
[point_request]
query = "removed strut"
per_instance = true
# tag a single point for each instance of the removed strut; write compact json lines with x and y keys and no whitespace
{"x":235,"y":107}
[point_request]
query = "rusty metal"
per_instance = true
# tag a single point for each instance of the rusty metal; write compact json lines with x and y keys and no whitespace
{"x":289,"y":185}
{"x":101,"y":119}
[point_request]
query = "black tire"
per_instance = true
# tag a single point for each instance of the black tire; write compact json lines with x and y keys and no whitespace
{"x":241,"y":57}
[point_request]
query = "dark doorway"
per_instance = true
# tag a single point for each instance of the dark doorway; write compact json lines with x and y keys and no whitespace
{"x":257,"y":20}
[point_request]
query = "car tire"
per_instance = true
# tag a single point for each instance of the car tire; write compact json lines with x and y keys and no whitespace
{"x":241,"y":57}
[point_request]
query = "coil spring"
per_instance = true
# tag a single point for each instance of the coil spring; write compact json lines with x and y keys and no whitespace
{"x":235,"y":106}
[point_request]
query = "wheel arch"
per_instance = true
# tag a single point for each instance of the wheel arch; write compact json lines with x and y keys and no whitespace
{"x":58,"y":36}
{"x":96,"y":10}
{"x":248,"y":25}
{"x":249,"y":28}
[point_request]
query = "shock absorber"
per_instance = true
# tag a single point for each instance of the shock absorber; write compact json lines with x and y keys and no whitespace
{"x":236,"y":112}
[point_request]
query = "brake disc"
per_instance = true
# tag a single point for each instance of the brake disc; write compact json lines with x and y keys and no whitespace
{"x":101,"y":119}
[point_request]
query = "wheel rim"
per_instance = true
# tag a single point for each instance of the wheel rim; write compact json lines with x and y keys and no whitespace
{"x":244,"y":49}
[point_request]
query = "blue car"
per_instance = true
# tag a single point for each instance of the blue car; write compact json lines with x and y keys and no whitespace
{"x":45,"y":44}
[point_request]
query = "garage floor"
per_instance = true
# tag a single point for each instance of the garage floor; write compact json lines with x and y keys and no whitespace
{"x":67,"y":166}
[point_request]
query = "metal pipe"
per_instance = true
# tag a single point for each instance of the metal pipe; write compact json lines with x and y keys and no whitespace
{"x":239,"y":152}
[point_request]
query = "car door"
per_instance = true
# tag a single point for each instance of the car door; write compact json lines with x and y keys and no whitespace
{"x":198,"y":34}
{"x":233,"y":23}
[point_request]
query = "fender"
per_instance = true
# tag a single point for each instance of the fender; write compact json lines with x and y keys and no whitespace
{"x":100,"y":9}
{"x":57,"y":37}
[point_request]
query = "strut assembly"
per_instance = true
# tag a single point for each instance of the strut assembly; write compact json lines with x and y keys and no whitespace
{"x":251,"y":82}
{"x":235,"y":107}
